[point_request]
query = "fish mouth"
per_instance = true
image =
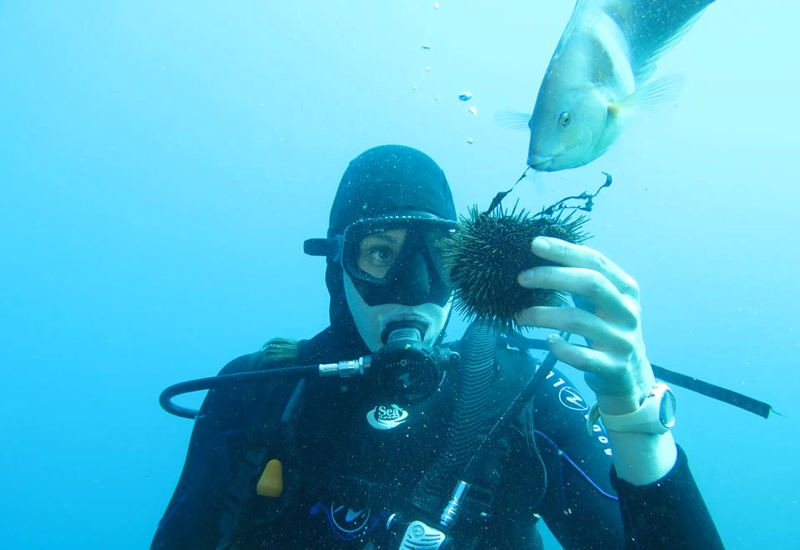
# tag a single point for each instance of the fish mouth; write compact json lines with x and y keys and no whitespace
{"x":540,"y":162}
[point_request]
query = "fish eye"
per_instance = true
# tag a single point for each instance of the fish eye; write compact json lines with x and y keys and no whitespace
{"x":564,"y":119}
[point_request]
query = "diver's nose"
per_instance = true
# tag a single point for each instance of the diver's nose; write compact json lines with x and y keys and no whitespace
{"x":416,"y":281}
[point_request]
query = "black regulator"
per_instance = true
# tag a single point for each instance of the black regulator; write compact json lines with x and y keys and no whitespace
{"x":408,"y":371}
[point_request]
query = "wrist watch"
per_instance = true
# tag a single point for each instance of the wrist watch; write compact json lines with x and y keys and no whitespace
{"x":656,"y":414}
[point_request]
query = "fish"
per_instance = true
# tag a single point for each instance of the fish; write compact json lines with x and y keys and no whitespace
{"x":598,"y":76}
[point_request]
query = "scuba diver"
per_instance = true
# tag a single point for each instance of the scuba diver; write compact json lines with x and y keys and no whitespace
{"x":406,"y":441}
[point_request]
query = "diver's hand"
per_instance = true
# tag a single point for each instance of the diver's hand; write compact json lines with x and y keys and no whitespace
{"x":615,"y":365}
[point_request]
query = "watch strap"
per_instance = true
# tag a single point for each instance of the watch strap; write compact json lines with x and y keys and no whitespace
{"x":645,"y":419}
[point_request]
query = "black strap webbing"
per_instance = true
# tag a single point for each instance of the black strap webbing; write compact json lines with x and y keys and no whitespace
{"x":267,"y":431}
{"x":715,"y":392}
{"x":687,"y":382}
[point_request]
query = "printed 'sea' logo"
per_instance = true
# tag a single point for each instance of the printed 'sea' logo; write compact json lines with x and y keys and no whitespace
{"x":385,"y":417}
{"x":571,"y":399}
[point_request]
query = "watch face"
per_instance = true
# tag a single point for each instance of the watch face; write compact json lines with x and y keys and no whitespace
{"x":666,"y":412}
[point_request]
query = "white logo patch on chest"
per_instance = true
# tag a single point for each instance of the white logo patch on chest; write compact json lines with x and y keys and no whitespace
{"x":386,"y":417}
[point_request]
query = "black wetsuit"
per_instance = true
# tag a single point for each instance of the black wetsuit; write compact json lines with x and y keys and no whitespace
{"x":343,"y":478}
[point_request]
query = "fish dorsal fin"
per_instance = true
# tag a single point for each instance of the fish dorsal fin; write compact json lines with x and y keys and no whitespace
{"x":575,"y":19}
{"x":653,"y":27}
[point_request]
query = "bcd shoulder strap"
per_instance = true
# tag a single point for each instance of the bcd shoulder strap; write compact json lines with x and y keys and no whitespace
{"x":270,"y":435}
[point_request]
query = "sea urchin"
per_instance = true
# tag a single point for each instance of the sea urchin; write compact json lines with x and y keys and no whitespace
{"x":487,"y":253}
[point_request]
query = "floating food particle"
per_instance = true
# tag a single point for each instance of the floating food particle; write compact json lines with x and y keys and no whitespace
{"x":473,"y":110}
{"x":426,"y":46}
{"x":470,"y":141}
{"x":465,"y":95}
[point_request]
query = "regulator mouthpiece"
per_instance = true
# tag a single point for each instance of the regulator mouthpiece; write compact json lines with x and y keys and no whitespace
{"x":411,"y":329}
{"x":408,"y":370}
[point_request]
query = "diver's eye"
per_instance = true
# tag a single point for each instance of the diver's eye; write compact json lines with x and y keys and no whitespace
{"x":377,"y":252}
{"x":380,"y":255}
{"x":564,"y":119}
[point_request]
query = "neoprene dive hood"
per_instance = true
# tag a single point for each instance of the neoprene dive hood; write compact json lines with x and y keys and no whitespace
{"x":382,"y":182}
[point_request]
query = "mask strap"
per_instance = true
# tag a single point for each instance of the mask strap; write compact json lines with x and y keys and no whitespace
{"x":331,"y":248}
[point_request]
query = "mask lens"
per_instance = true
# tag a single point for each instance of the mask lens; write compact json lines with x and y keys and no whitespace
{"x":437,"y":246}
{"x":372,"y":249}
{"x":377,"y":252}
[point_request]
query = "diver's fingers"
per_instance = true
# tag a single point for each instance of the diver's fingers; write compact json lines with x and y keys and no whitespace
{"x":585,"y":282}
{"x":575,"y":255}
{"x":569,"y":319}
{"x":621,"y":387}
{"x":584,"y":359}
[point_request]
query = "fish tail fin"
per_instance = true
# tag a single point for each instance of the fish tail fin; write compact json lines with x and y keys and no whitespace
{"x":649,"y":64}
{"x":657,"y":31}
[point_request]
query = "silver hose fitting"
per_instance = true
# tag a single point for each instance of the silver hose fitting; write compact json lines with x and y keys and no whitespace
{"x":346,"y":369}
{"x":451,"y":510}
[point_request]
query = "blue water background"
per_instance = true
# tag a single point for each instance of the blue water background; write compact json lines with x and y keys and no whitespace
{"x":161,"y":164}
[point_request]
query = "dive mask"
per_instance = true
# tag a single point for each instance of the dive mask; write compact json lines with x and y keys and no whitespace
{"x":393,"y":259}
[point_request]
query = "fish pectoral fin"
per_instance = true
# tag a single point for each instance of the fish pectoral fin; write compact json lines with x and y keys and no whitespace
{"x":512,"y":120}
{"x":658,"y":93}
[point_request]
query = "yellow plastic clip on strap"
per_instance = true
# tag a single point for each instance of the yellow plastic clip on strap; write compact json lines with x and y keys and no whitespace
{"x":270,"y":484}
